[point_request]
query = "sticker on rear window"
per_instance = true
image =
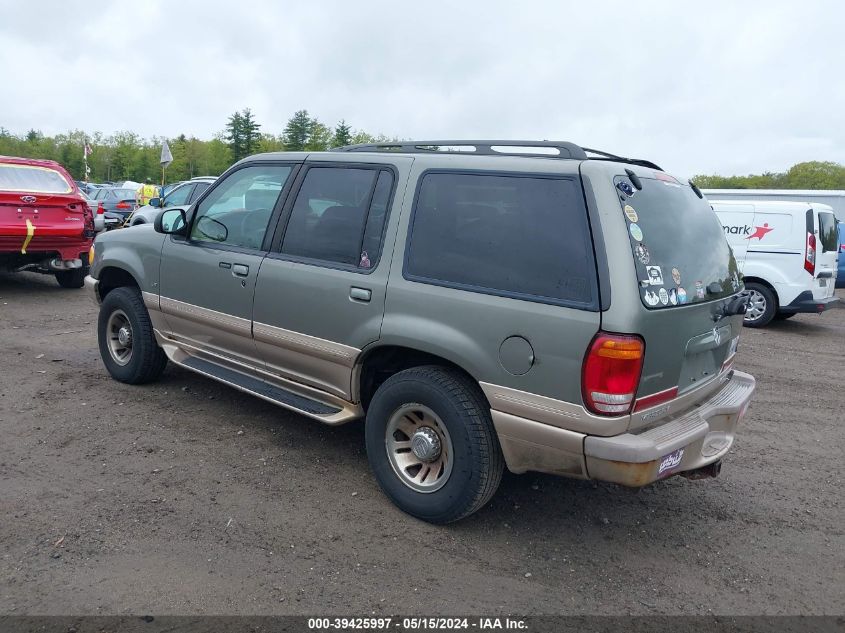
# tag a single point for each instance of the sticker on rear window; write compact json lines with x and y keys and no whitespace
{"x":636,"y":232}
{"x":699,"y":290}
{"x":664,"y":296}
{"x":670,"y":462}
{"x":630,"y":213}
{"x":642,"y":253}
{"x":682,"y":296}
{"x":676,"y":276}
{"x":673,"y":296}
{"x":655,"y":275}
{"x":651,"y":298}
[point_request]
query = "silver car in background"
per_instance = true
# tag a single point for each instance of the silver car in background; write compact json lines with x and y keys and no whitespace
{"x":182,"y":194}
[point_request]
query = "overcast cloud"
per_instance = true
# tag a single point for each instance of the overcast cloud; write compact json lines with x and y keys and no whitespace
{"x":705,"y":87}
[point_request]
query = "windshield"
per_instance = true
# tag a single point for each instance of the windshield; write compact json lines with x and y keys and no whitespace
{"x":32,"y":179}
{"x":680,"y":251}
{"x":827,"y":232}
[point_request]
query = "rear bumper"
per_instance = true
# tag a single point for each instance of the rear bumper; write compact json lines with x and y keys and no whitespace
{"x":804,"y":303}
{"x":45,"y":245}
{"x":692,"y":440}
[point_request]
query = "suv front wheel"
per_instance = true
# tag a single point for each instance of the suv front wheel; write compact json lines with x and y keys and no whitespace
{"x":125,"y":335}
{"x":432,"y":445}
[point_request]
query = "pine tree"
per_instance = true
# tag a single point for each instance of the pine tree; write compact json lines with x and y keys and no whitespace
{"x":342,"y":134}
{"x":250,"y":133}
{"x":234,"y":135}
{"x":298,"y":131}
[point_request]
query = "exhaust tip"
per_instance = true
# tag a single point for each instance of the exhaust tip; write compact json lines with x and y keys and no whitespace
{"x":705,"y":472}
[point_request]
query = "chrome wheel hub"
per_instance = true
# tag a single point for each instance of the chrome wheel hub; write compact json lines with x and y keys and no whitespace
{"x":124,"y":336}
{"x":756,"y":306}
{"x":419,"y":448}
{"x":119,"y":337}
{"x":425,"y":444}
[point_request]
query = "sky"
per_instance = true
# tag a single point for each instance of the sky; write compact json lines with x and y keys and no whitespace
{"x":715,"y":87}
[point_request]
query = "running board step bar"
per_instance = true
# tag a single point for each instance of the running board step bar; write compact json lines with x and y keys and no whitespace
{"x":277,"y":395}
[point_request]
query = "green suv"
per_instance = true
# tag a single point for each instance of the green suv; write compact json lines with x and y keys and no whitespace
{"x":480,"y":304}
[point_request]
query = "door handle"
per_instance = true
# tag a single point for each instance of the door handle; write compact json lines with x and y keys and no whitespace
{"x":360,"y":294}
{"x":241,"y":270}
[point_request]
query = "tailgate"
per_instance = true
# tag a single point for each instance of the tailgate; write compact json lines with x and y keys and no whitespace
{"x":687,"y":286}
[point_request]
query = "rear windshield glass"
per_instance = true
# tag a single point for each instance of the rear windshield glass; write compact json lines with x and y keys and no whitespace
{"x":827,"y":232}
{"x":678,"y":244}
{"x":32,"y":179}
{"x":122,"y":194}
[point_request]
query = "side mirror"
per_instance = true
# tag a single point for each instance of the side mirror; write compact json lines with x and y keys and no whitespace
{"x":155,"y":202}
{"x":171,"y":222}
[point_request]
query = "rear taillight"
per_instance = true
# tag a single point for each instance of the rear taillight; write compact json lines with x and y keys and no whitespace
{"x":100,"y":209}
{"x":810,"y":254}
{"x":123,"y":205}
{"x":611,"y":373}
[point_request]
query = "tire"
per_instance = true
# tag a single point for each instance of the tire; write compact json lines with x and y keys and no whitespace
{"x":145,"y":360}
{"x":762,"y":305}
{"x":72,"y":278}
{"x":469,"y":473}
{"x":783,"y":316}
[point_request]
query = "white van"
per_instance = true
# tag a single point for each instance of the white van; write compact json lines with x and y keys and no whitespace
{"x":787,"y":253}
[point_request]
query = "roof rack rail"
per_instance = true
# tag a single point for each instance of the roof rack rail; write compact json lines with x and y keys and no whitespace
{"x":565,"y":150}
{"x":479,"y":148}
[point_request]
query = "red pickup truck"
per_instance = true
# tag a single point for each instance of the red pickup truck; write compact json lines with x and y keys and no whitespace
{"x":45,"y":223}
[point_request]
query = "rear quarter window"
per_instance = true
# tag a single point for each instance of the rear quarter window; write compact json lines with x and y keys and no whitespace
{"x":519,"y":236}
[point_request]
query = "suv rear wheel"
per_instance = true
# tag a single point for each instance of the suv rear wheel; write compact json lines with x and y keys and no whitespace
{"x":762,"y":305}
{"x":432,"y":445}
{"x":125,"y":336}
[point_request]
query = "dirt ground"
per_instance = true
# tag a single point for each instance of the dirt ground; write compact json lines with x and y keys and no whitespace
{"x":187,"y":497}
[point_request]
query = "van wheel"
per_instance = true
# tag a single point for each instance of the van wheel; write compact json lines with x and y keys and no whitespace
{"x":762,"y":305}
{"x":431,"y":444}
{"x":72,"y":278}
{"x":125,"y":335}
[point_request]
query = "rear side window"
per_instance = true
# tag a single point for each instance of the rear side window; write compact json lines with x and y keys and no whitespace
{"x":525,"y":237}
{"x":827,"y":232}
{"x":338,"y":216}
{"x":678,"y":244}
{"x":32,"y":179}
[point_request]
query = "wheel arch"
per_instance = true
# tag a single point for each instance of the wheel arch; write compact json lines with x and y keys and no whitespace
{"x":377,"y":364}
{"x":111,"y":277}
{"x":763,"y":282}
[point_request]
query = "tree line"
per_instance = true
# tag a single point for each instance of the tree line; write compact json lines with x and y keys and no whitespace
{"x":128,"y":156}
{"x":808,"y":175}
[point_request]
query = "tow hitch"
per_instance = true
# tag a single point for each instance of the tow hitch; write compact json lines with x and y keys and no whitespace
{"x":705,"y":472}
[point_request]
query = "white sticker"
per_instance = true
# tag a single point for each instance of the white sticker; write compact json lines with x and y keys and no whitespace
{"x":655,"y":275}
{"x":636,"y":232}
{"x":664,"y":296}
{"x":651,"y":298}
{"x":673,"y":297}
{"x":671,"y":461}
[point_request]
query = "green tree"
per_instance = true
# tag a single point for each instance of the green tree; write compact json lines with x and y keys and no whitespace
{"x":298,"y":131}
{"x":243,"y":134}
{"x":319,"y":137}
{"x":342,"y":134}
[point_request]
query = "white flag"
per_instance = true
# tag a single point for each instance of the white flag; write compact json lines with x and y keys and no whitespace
{"x":166,"y":156}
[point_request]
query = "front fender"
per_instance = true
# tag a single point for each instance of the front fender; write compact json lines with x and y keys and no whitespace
{"x":135,"y":250}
